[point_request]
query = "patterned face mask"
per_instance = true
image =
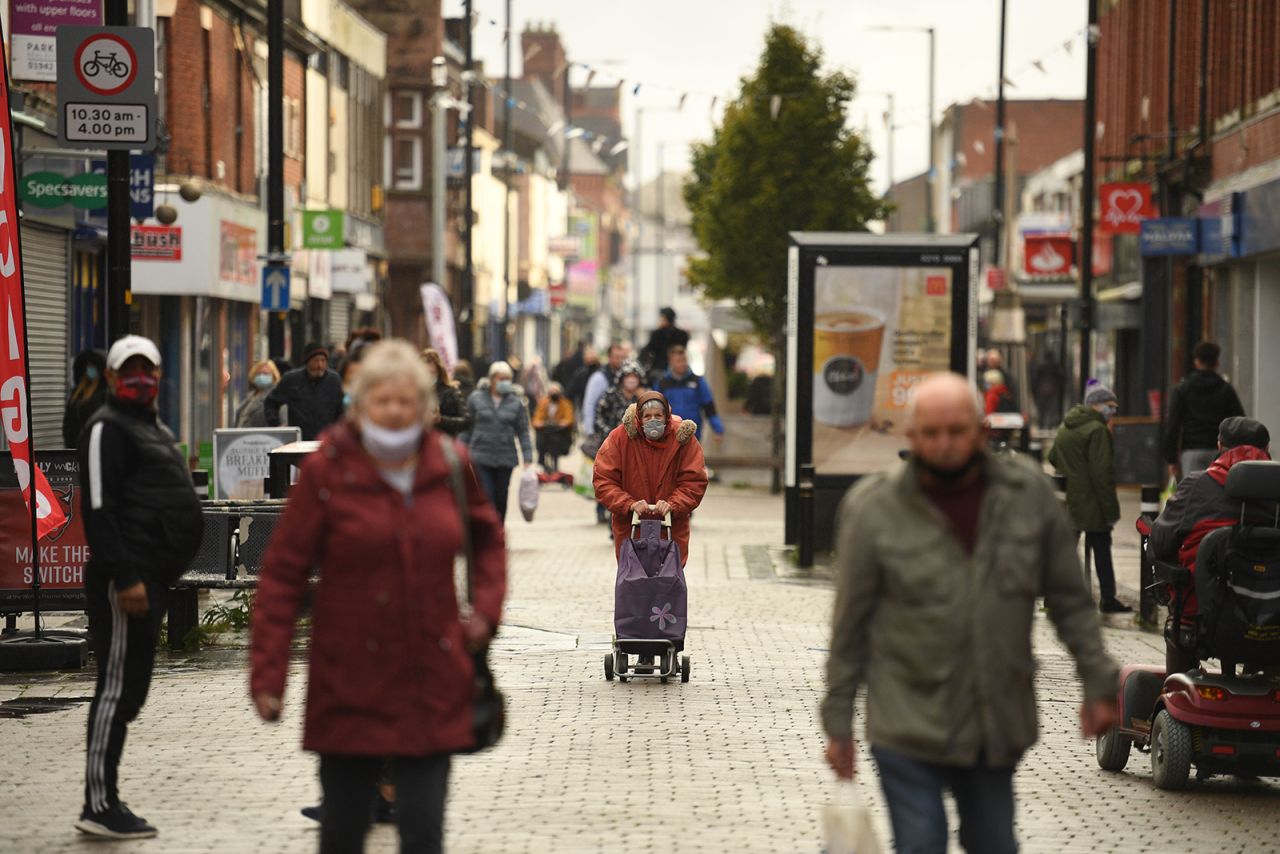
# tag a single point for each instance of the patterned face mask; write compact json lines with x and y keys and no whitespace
{"x":655,"y":429}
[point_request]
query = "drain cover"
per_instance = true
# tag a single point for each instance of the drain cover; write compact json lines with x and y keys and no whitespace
{"x":24,"y":706}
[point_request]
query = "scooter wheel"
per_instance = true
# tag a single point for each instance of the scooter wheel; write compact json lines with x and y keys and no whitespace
{"x":1171,"y":752}
{"x":1112,"y":750}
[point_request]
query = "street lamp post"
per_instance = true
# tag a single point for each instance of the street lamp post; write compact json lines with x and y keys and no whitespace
{"x":638,"y":176}
{"x":930,"y":223}
{"x":441,"y":103}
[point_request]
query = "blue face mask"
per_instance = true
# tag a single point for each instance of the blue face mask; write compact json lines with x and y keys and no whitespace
{"x":505,"y":386}
{"x":346,"y":400}
{"x":263,"y":381}
{"x":91,"y":373}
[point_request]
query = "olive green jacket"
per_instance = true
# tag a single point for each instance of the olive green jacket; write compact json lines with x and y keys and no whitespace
{"x":942,"y":639}
{"x":1083,"y":451}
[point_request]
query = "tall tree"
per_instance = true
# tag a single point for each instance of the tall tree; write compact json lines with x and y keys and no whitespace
{"x":782,"y":160}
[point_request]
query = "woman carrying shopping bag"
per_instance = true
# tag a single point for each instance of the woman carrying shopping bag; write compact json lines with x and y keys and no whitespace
{"x":391,"y":673}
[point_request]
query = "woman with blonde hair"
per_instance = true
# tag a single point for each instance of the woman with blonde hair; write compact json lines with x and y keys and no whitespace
{"x":391,"y":672}
{"x":262,"y":379}
{"x":450,"y":405}
{"x":88,"y":393}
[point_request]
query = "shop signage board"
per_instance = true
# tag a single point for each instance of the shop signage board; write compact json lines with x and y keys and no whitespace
{"x":87,"y":191}
{"x":1170,"y":236}
{"x":106,"y":87}
{"x":33,"y":26}
{"x":64,"y":550}
{"x":1124,"y":206}
{"x":322,"y":230}
{"x":1048,"y":254}
{"x":241,"y":462}
{"x":275,"y":288}
{"x":142,"y":183}
{"x":156,"y":242}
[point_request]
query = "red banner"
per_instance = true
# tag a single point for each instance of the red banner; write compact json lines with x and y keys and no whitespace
{"x":14,"y":404}
{"x":1124,"y":207}
{"x":1048,"y":254}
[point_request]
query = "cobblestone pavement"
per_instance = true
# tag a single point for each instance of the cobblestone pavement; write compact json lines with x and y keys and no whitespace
{"x":729,"y":762}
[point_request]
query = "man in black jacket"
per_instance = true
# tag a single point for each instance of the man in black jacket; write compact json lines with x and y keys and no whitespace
{"x":313,"y":394}
{"x":143,"y":524}
{"x":1198,"y":405}
{"x":661,"y":340}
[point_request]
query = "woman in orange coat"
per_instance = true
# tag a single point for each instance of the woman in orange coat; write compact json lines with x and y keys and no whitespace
{"x":651,"y":464}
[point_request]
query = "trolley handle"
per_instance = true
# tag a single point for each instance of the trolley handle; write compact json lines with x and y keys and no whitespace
{"x":635,"y":518}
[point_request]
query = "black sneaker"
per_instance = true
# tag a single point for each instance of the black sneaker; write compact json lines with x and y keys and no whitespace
{"x":312,"y":813}
{"x":1114,"y":606}
{"x":118,"y":822}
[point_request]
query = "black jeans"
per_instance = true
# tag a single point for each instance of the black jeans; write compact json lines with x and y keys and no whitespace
{"x":349,"y":784}
{"x":496,"y":481}
{"x":1099,"y":544}
{"x":124,"y":650}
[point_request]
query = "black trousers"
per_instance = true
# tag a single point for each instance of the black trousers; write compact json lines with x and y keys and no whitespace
{"x":1099,"y":544}
{"x":125,"y":652}
{"x":349,"y":784}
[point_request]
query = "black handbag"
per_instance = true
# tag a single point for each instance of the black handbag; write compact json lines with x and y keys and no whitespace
{"x":489,"y":707}
{"x":591,"y":445}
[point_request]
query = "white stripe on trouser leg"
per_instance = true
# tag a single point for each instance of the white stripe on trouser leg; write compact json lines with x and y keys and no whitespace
{"x":95,"y":466}
{"x":112,"y":688}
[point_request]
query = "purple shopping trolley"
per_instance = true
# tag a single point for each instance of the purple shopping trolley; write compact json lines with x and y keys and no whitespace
{"x":650,"y":606}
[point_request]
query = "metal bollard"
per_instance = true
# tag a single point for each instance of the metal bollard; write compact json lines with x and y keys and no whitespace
{"x":804,"y":507}
{"x":1148,"y":608}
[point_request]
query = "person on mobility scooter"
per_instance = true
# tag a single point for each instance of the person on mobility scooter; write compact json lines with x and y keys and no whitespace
{"x":1226,"y":722}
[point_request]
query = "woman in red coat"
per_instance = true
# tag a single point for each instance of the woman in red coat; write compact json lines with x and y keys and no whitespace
{"x":390,"y":672}
{"x":651,"y":464}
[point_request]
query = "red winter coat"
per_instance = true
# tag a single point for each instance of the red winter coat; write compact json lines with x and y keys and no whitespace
{"x":389,"y":671}
{"x":630,"y":467}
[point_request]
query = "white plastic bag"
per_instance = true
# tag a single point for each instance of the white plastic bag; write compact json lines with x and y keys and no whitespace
{"x":529,"y":493}
{"x":846,"y":824}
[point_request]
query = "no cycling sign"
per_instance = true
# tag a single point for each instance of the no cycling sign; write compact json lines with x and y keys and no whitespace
{"x":107,"y":87}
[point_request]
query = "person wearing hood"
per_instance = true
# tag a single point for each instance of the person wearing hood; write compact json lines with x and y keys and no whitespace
{"x":499,"y":419}
{"x":651,"y":464}
{"x":1197,"y":406}
{"x":1201,"y":505}
{"x":1083,"y":451}
{"x":88,"y":393}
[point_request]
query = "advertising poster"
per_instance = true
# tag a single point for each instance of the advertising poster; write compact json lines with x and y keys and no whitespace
{"x":877,"y":332}
{"x":241,"y":461}
{"x":64,"y":551}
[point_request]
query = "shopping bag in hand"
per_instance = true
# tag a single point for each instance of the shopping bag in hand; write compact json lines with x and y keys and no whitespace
{"x":846,"y":825}
{"x":528,"y":493}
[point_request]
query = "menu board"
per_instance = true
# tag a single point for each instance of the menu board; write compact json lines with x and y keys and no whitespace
{"x":878,"y":331}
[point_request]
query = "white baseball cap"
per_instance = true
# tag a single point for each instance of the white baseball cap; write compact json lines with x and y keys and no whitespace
{"x":130,"y":346}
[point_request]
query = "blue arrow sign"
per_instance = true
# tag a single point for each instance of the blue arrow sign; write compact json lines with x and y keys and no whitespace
{"x":275,"y":288}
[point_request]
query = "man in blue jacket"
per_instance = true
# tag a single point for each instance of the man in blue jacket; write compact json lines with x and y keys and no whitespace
{"x":688,"y":394}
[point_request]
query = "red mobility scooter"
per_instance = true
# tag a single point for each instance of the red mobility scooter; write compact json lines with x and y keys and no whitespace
{"x":1226,"y":722}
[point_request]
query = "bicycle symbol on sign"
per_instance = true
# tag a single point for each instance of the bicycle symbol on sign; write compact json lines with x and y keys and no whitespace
{"x":107,"y":63}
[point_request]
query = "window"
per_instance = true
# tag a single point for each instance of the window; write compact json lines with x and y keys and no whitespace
{"x":406,"y":110}
{"x":406,"y":163}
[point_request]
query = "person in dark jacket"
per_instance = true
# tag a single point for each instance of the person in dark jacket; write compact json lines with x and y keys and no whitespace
{"x":654,"y":355}
{"x":1201,"y":505}
{"x":88,"y":393}
{"x":390,"y":672}
{"x":688,"y":394}
{"x":569,"y":365}
{"x":499,"y":419}
{"x":613,"y":405}
{"x":313,"y":394}
{"x":1084,"y":453}
{"x":451,"y":407}
{"x":1197,"y":406}
{"x":143,"y":525}
{"x":465,"y":378}
{"x":576,"y":388}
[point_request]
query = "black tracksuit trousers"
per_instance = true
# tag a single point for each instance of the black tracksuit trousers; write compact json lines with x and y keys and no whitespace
{"x":125,"y":649}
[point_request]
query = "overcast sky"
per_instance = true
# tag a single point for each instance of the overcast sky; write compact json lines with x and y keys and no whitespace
{"x":705,"y":46}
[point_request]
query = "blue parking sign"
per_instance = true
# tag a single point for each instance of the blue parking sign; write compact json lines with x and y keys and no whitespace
{"x":275,"y":288}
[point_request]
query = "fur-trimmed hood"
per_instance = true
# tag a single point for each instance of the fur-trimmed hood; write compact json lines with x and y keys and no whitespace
{"x":684,"y":430}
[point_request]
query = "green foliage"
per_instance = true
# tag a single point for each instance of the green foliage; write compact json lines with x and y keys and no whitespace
{"x":232,"y":615}
{"x":761,"y":177}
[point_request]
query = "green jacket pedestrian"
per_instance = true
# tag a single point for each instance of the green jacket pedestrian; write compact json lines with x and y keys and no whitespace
{"x":939,"y":564}
{"x":1083,"y":452}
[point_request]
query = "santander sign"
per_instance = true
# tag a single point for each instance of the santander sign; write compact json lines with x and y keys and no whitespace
{"x":14,"y":403}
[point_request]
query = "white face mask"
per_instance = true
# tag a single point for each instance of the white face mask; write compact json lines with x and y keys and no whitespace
{"x":389,"y":446}
{"x":655,"y":429}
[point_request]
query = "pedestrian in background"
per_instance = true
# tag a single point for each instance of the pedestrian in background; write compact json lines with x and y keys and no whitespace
{"x":667,"y":335}
{"x":1083,"y":451}
{"x":576,"y":388}
{"x":609,"y":411}
{"x":938,"y":567}
{"x":1197,"y":406}
{"x":451,"y":405}
{"x":688,"y":394}
{"x":598,"y":384}
{"x":533,"y":380}
{"x":553,"y":420}
{"x":313,"y":394}
{"x":88,"y":393}
{"x":465,"y":377}
{"x":569,"y":365}
{"x":390,"y":673}
{"x":143,"y":525}
{"x":499,"y":420}
{"x":251,"y":412}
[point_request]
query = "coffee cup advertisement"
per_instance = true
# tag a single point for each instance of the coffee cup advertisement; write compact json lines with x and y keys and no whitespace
{"x":877,"y":332}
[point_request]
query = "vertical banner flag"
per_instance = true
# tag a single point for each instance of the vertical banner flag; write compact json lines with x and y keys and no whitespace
{"x":15,"y":407}
{"x":438,"y":313}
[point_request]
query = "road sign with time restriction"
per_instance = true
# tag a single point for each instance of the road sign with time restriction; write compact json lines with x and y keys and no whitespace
{"x":107,"y":87}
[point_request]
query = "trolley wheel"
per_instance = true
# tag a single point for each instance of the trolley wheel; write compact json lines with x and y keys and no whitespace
{"x":684,"y":668}
{"x":622,"y":662}
{"x":608,"y":668}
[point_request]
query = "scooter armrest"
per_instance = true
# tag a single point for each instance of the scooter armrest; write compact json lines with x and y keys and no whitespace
{"x":1172,"y":573}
